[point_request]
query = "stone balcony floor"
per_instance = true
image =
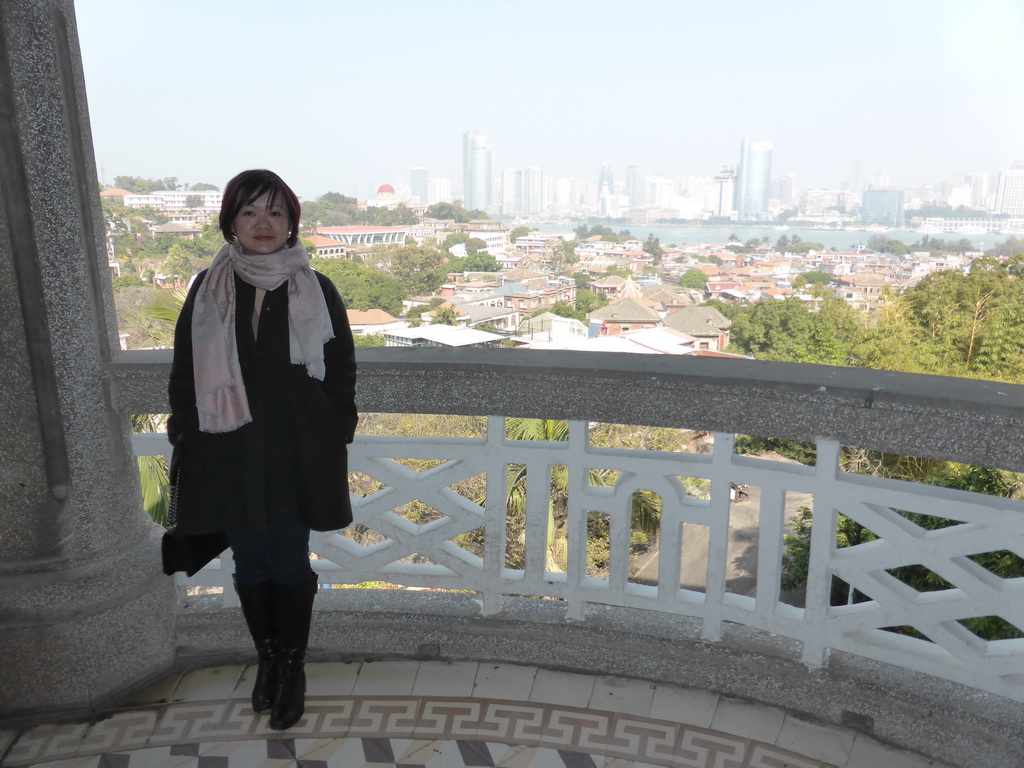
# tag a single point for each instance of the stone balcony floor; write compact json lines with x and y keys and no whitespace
{"x":411,"y":714}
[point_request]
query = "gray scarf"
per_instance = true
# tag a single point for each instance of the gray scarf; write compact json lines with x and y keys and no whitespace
{"x":220,"y":391}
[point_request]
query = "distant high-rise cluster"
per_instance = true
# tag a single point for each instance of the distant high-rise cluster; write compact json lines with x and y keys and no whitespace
{"x":746,"y":192}
{"x":522,"y":191}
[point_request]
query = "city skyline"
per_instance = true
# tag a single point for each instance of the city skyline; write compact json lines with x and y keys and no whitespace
{"x":920,"y":90}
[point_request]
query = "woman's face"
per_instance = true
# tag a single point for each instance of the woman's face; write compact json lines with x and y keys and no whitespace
{"x":262,"y":226}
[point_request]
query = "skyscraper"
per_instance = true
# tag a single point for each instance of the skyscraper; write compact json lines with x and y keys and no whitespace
{"x":979,"y":189}
{"x":725,"y":193}
{"x":1010,"y":190}
{"x":882,"y":206}
{"x":418,"y":184}
{"x":635,"y":187}
{"x":753,"y":179}
{"x":606,"y":178}
{"x":477,"y":172}
{"x":522,"y":190}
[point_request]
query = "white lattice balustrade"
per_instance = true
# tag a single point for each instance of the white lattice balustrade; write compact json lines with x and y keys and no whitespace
{"x":985,"y":524}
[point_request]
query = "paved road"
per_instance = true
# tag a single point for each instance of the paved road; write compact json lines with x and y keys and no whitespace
{"x":743,"y":530}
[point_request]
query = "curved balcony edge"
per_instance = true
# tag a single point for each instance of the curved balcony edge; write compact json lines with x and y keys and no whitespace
{"x":965,"y":420}
{"x":854,"y":695}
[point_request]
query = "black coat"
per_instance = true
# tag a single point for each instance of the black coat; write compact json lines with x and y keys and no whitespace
{"x":290,"y":462}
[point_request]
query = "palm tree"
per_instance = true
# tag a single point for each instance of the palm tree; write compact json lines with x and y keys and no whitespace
{"x":446,"y":315}
{"x":153,"y":471}
{"x":646,"y":514}
{"x":158,"y":319}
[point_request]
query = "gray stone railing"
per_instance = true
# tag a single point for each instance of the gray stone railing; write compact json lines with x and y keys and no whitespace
{"x":480,"y":616}
{"x":974,"y":422}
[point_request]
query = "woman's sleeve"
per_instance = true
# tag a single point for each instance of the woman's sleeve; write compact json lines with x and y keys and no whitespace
{"x":181,"y":389}
{"x":340,"y":361}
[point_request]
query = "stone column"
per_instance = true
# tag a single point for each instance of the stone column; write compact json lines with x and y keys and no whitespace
{"x":85,"y":613}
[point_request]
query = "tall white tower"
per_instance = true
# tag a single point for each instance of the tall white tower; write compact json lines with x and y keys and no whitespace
{"x":477,"y":172}
{"x":753,"y":179}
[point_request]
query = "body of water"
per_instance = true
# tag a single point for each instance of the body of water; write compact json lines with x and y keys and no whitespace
{"x":830,"y":238}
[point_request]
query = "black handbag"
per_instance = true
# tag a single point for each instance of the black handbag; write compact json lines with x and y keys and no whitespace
{"x":187,"y":553}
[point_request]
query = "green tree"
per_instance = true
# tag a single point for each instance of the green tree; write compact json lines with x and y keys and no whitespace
{"x":883,"y":244}
{"x":369,"y":340}
{"x":788,"y":331}
{"x":361,"y":287}
{"x":1012,"y":246}
{"x":652,"y":245}
{"x":194,"y":201}
{"x":605,"y":233}
{"x":474,"y":245}
{"x":816,"y":277}
{"x":616,"y":271}
{"x":127,"y":280}
{"x":518,"y":232}
{"x":454,"y":212}
{"x":179,"y":263}
{"x":454,"y":238}
{"x":421,"y":270}
{"x":336,"y":198}
{"x":564,"y":309}
{"x":954,"y":324}
{"x":565,"y":254}
{"x":415,"y":313}
{"x":481,"y":261}
{"x":798,"y":246}
{"x":589,"y":301}
{"x":694,"y":278}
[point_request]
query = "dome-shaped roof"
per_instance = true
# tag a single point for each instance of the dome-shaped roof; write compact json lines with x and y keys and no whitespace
{"x":385,"y":189}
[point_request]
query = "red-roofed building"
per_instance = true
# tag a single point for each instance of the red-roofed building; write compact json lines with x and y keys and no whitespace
{"x":365,"y":321}
{"x":326,"y":248}
{"x":715,"y":289}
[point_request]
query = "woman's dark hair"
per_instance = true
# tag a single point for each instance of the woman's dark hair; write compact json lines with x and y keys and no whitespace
{"x":249,"y":185}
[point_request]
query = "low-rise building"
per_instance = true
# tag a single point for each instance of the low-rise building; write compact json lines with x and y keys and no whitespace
{"x":442,"y":336}
{"x":328,"y":248}
{"x":372,"y":321}
{"x":363,"y":235}
{"x":624,"y":315}
{"x":707,"y":325}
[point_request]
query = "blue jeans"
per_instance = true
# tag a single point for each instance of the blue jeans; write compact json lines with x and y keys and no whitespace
{"x":279,"y":554}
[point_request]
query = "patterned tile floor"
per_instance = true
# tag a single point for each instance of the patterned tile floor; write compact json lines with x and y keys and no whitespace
{"x":407,"y":714}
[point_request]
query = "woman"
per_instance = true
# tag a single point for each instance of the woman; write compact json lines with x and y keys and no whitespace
{"x":262,"y":393}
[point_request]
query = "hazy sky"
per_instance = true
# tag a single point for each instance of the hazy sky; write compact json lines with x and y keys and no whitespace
{"x":339,"y":95}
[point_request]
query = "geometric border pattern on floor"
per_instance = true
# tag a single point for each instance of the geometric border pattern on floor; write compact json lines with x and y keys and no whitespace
{"x":393,"y":731}
{"x":183,"y":726}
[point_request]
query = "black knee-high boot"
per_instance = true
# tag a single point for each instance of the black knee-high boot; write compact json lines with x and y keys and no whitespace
{"x":258,"y":608}
{"x":293,"y":611}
